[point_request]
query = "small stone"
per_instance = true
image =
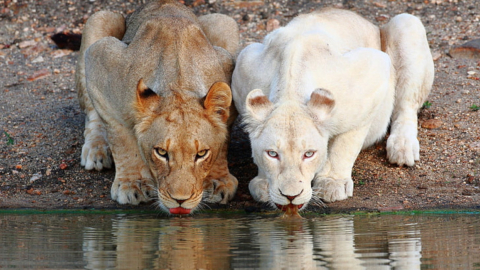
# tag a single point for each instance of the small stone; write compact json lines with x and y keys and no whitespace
{"x":272,"y":24}
{"x":63,"y":166}
{"x":432,"y":123}
{"x":469,"y":50}
{"x":380,"y":5}
{"x":475,"y":146}
{"x":39,"y":74}
{"x":436,"y":56}
{"x":35,"y":177}
{"x":470,"y":179}
{"x":381,"y":18}
{"x":38,"y":59}
{"x":27,"y":43}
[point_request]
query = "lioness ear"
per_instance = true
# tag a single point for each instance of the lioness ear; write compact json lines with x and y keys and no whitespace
{"x":321,"y":104}
{"x":147,"y":100}
{"x":218,"y":100}
{"x":258,"y":106}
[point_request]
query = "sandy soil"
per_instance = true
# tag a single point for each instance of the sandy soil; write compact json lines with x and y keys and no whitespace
{"x":41,"y":123}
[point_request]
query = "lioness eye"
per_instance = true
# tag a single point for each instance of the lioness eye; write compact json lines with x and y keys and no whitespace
{"x":308,"y":154}
{"x":161,"y":152}
{"x":272,"y":154}
{"x":202,"y":153}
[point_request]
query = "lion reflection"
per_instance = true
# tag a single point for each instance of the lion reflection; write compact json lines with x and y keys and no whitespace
{"x":178,"y":243}
{"x":267,"y":243}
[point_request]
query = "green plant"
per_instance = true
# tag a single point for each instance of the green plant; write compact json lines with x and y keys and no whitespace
{"x":10,"y":140}
{"x":427,"y":104}
{"x":474,"y":107}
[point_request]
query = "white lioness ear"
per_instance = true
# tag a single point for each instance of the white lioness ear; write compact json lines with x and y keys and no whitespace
{"x":321,"y":104}
{"x":258,"y":107}
{"x":147,"y":101}
{"x":218,"y":101}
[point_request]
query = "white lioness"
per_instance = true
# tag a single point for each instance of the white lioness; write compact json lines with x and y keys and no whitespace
{"x":160,"y":98}
{"x":322,"y":88}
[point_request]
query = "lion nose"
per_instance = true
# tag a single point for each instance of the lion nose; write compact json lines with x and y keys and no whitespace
{"x":180,"y":201}
{"x":290,"y":197}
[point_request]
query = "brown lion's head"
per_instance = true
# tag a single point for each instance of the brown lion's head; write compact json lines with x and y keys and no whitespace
{"x":180,"y":138}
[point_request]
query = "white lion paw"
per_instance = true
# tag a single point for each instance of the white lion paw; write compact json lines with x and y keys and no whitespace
{"x":331,"y":190}
{"x":220,"y":190}
{"x":126,"y":191}
{"x":259,"y":189}
{"x":403,"y":149}
{"x":96,"y":153}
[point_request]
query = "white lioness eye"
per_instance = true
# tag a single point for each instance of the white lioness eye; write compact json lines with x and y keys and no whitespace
{"x":161,"y":152}
{"x":308,"y":154}
{"x":202,"y":153}
{"x":272,"y":154}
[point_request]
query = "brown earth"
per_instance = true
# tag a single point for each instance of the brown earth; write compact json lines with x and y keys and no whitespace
{"x":41,"y":123}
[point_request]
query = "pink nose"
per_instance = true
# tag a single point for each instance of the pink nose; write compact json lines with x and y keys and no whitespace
{"x":291,"y":197}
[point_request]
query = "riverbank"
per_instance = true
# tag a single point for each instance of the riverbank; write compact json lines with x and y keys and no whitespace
{"x":42,"y":125}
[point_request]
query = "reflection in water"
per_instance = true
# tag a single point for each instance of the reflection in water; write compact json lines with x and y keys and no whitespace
{"x":239,"y":242}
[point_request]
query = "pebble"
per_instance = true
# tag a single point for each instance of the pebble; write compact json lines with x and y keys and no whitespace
{"x":272,"y":24}
{"x":38,"y":59}
{"x":35,"y":177}
{"x":432,"y":123}
{"x":39,"y":74}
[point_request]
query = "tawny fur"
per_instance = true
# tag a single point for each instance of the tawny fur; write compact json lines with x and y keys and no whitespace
{"x":153,"y":83}
{"x":322,"y":88}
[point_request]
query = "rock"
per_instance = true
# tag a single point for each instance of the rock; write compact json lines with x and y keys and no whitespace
{"x":432,"y":123}
{"x":380,"y":5}
{"x":475,"y":146}
{"x":38,"y":59}
{"x":27,"y":43}
{"x":272,"y":24}
{"x":469,"y":50}
{"x":381,"y":18}
{"x":39,"y":74}
{"x":436,"y":56}
{"x":35,"y":177}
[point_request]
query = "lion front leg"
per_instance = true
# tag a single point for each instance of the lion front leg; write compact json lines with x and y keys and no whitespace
{"x":133,"y":182}
{"x":404,"y":40}
{"x":220,"y":185}
{"x":96,"y":153}
{"x":334,"y":182}
{"x":258,"y":187}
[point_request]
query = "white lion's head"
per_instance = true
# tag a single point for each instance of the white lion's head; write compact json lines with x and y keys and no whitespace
{"x":289,"y":144}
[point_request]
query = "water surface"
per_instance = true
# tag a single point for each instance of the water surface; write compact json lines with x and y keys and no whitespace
{"x":114,"y":240}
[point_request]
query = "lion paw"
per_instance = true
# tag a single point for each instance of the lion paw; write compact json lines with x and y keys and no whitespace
{"x":220,"y":190}
{"x":96,"y":154}
{"x":259,"y":189}
{"x":403,"y":149}
{"x":331,"y":190}
{"x":126,"y":191}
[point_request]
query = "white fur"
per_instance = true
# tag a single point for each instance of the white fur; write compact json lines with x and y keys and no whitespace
{"x":324,"y":85}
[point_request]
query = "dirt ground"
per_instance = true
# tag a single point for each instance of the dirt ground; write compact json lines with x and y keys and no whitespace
{"x":41,"y":123}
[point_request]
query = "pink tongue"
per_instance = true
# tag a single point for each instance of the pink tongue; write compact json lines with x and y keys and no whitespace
{"x":180,"y":211}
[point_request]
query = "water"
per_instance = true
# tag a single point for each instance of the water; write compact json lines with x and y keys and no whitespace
{"x":113,"y":240}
